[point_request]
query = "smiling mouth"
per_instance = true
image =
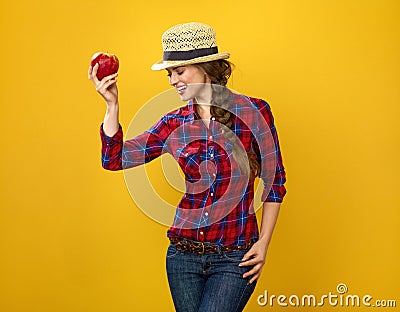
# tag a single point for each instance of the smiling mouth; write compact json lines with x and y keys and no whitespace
{"x":181,"y":89}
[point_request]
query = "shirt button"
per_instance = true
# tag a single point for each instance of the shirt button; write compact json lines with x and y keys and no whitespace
{"x":212,"y":118}
{"x":210,"y":137}
{"x":211,"y":155}
{"x":212,"y":194}
{"x":201,"y":233}
{"x":206,"y":213}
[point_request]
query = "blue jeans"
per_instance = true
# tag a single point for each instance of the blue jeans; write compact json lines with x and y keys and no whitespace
{"x":208,"y":283}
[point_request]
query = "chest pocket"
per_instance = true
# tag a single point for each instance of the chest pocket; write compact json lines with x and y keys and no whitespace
{"x":189,"y":160}
{"x":228,"y":146}
{"x":227,"y":164}
{"x":223,"y":153}
{"x":187,"y":151}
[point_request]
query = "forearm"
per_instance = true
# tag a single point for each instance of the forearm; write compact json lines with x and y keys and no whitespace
{"x":111,"y":120}
{"x":270,"y":214}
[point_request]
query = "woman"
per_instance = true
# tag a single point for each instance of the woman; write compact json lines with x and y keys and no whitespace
{"x":216,"y":253}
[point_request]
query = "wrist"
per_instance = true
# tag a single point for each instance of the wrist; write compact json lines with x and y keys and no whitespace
{"x":264,"y":240}
{"x":112,"y":106}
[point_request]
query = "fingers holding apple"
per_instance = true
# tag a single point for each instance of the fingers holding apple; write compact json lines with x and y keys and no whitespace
{"x":92,"y":73}
{"x":102,"y":72}
{"x":107,"y":88}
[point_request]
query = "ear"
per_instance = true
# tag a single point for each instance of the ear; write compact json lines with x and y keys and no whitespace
{"x":207,"y":79}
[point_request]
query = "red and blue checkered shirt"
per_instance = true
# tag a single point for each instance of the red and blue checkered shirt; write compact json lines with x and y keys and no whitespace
{"x":217,"y":206}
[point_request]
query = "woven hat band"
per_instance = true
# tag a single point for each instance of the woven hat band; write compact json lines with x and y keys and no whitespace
{"x":188,"y":55}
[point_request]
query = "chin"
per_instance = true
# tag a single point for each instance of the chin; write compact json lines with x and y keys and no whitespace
{"x":186,"y":96}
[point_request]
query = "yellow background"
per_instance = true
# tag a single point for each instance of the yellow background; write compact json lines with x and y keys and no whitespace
{"x":71,"y":236}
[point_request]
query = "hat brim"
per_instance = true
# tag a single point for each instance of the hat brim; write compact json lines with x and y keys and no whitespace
{"x":208,"y":58}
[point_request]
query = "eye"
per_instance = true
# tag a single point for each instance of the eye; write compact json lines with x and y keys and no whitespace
{"x":180,"y":70}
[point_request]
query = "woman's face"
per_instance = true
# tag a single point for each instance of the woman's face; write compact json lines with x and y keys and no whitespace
{"x":190,"y":82}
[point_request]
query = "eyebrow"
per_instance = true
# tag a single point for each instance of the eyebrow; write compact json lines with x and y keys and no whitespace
{"x":173,"y":68}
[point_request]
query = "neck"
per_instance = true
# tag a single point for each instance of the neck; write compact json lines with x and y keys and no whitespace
{"x":203,"y":110}
{"x":203,"y":102}
{"x":204,"y":95}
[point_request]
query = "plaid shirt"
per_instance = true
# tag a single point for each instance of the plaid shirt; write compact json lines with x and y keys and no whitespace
{"x":217,"y":206}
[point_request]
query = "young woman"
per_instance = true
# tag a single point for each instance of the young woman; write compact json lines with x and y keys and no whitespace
{"x":222,"y":141}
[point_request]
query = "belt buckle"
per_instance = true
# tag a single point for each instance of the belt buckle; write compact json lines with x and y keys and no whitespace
{"x":202,"y":247}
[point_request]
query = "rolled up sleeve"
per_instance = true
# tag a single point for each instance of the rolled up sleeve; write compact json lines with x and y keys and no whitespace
{"x":272,"y":170}
{"x":111,"y":149}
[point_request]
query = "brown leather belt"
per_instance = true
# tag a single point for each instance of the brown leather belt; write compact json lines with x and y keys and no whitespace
{"x":205,"y":248}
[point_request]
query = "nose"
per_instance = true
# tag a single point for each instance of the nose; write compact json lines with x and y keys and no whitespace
{"x":173,"y":79}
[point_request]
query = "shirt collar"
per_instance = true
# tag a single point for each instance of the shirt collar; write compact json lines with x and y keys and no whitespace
{"x":192,"y":110}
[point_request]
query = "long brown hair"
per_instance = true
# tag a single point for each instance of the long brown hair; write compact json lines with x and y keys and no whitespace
{"x":219,"y":72}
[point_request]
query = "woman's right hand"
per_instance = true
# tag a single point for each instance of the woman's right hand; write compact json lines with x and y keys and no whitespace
{"x":107,"y":87}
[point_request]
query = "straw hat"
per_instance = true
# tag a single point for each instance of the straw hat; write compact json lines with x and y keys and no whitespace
{"x":189,"y":43}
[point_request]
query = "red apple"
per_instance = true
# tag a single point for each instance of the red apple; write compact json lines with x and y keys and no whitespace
{"x":108,"y":64}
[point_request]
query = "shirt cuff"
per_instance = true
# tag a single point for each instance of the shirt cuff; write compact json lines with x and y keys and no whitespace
{"x":275,"y":194}
{"x":116,"y":138}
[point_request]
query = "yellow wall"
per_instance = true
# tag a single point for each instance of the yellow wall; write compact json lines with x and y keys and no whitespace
{"x":71,"y":236}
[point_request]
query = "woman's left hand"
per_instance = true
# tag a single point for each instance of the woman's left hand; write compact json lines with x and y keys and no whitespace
{"x":255,"y":257}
